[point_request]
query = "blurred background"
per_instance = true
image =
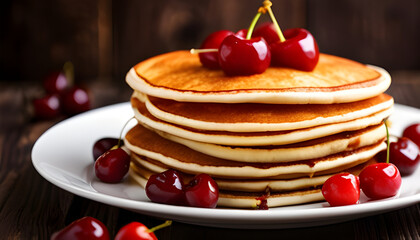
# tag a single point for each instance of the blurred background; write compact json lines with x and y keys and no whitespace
{"x":104,"y":38}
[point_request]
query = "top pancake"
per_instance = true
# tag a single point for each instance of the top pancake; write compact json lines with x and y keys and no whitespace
{"x":180,"y":76}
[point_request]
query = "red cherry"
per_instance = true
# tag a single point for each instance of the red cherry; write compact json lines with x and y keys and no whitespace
{"x":103,"y":145}
{"x":202,"y":191}
{"x":341,"y":189}
{"x":268,"y":32}
{"x":211,"y":59}
{"x":405,"y":155}
{"x":413,"y":133}
{"x":135,"y":231}
{"x":242,"y":33}
{"x":166,"y":187}
{"x":112,"y":166}
{"x":84,"y":228}
{"x":239,"y":56}
{"x":75,"y":100}
{"x":299,"y":51}
{"x":47,"y":107}
{"x":56,"y":82}
{"x":380,"y":180}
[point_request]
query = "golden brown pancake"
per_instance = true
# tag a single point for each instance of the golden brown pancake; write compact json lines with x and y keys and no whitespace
{"x":254,"y":200}
{"x":249,"y":193}
{"x":180,"y":76}
{"x":273,"y":137}
{"x":253,"y":138}
{"x":144,"y":142}
{"x":254,"y":117}
{"x":252,"y":185}
{"x":320,"y":147}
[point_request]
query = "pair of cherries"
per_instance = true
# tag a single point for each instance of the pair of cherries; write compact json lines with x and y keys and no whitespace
{"x":379,"y":180}
{"x":168,"y":187}
{"x":111,"y":161}
{"x":112,"y":164}
{"x":61,"y":97}
{"x":250,"y":52}
{"x":92,"y":228}
{"x":237,"y":55}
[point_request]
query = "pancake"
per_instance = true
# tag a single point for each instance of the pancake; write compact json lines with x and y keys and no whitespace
{"x":253,"y":200}
{"x":156,"y":166}
{"x":144,"y":142}
{"x":180,"y":76}
{"x":251,"y":193}
{"x":253,"y":138}
{"x":248,"y":200}
{"x":317,"y":148}
{"x":271,"y":138}
{"x":249,"y":185}
{"x":253,"y":117}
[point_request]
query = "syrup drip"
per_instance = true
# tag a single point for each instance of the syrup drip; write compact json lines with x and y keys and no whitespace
{"x":263,"y":200}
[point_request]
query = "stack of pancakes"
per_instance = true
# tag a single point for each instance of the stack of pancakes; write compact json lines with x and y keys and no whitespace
{"x":271,"y":138}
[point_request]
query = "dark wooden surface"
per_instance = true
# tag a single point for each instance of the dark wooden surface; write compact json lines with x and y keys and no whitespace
{"x":32,"y":208}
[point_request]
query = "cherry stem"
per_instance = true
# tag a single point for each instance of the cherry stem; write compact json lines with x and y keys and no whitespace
{"x":163,"y":225}
{"x":267,"y":5}
{"x":387,"y":142}
{"x":253,"y":23}
{"x":207,"y":50}
{"x":125,"y":125}
{"x":68,"y":69}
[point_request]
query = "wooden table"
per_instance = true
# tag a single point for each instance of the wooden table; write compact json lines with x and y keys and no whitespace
{"x":33,"y":208}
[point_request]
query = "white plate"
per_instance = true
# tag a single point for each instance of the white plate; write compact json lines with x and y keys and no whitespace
{"x":63,"y":156}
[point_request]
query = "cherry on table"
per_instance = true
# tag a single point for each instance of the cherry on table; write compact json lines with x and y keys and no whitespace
{"x":211,"y":59}
{"x":404,"y":154}
{"x":84,"y":228}
{"x":413,"y":133}
{"x":202,"y":191}
{"x":112,"y":166}
{"x":135,"y":231}
{"x":75,"y":100}
{"x":166,"y":187}
{"x":240,"y":56}
{"x":103,"y":145}
{"x":47,"y":107}
{"x":380,"y":180}
{"x":56,"y":82}
{"x":341,"y":189}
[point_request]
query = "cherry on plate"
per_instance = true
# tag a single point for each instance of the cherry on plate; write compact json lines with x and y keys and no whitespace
{"x":84,"y":228}
{"x":112,"y":166}
{"x":380,"y":180}
{"x":103,"y":145}
{"x":413,"y":133}
{"x":404,"y":154}
{"x":202,"y":191}
{"x":166,"y":187}
{"x":341,"y":189}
